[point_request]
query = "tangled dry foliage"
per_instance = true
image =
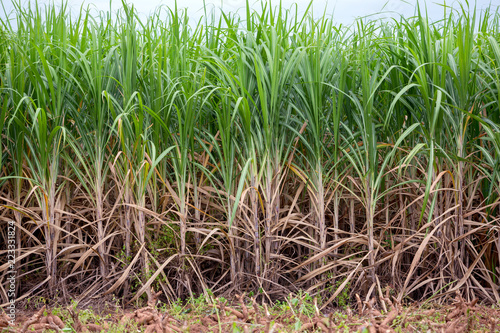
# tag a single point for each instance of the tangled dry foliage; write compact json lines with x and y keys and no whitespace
{"x":43,"y":321}
{"x":40,"y":322}
{"x":244,"y":314}
{"x":4,"y":319}
{"x":269,"y":154}
{"x":154,"y":321}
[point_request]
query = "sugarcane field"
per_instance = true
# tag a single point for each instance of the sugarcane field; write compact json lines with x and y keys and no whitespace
{"x":265,"y":169}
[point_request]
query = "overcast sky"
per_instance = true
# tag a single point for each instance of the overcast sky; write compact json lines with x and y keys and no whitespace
{"x":343,"y":11}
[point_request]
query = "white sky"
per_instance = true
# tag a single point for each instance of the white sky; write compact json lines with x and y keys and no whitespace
{"x":343,"y":11}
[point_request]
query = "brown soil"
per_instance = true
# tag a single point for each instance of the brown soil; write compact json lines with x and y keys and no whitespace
{"x":245,"y":315}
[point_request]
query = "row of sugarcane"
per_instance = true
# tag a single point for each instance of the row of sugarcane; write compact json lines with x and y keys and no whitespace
{"x":270,"y":153}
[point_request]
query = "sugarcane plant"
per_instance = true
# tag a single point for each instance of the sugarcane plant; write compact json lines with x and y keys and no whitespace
{"x":267,"y":151}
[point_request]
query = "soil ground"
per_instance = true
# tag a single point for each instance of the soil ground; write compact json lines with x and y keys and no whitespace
{"x":246,"y":315}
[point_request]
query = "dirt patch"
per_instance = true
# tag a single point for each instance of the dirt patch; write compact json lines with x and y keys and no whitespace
{"x":246,"y":315}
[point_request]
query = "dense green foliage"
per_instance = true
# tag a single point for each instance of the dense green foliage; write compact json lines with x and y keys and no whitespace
{"x":268,"y":153}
